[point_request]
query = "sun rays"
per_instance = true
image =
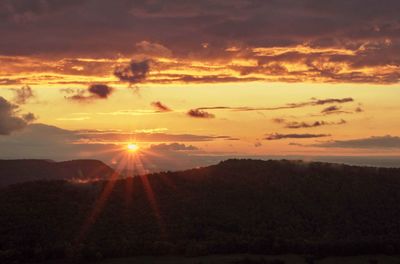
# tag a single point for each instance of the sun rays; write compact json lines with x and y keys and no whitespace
{"x":130,"y":162}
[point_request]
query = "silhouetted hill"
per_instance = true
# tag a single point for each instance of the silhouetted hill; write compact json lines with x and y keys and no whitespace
{"x":17,"y":171}
{"x":237,"y":206}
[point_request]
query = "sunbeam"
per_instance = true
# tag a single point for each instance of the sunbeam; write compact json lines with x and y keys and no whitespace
{"x":129,"y":164}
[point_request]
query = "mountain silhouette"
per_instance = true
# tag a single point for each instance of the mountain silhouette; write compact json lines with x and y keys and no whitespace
{"x":236,"y":206}
{"x":17,"y":171}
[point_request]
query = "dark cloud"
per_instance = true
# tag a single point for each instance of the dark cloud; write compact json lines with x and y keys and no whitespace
{"x":160,"y":107}
{"x":10,"y":120}
{"x":377,"y":142}
{"x":23,"y":94}
{"x":312,"y":102}
{"x":133,"y":73}
{"x":334,"y":109}
{"x":93,"y":92}
{"x":278,"y":136}
{"x":100,"y":90}
{"x":198,"y":113}
{"x":29,"y":117}
{"x":331,"y":109}
{"x":332,"y":100}
{"x":296,"y":124}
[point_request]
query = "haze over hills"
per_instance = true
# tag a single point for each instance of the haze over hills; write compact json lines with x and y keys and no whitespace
{"x":17,"y":171}
{"x":236,"y":206}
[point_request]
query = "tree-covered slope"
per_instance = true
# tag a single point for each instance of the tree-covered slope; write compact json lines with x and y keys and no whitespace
{"x":233,"y":207}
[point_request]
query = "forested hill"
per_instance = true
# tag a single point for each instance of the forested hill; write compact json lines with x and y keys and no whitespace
{"x":17,"y":171}
{"x":236,"y":206}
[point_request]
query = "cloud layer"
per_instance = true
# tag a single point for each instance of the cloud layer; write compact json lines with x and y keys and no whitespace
{"x":298,"y":125}
{"x":376,"y":142}
{"x":279,"y":136}
{"x":354,"y":41}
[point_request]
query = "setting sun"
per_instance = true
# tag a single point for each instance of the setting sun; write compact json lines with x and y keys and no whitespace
{"x":133,"y":147}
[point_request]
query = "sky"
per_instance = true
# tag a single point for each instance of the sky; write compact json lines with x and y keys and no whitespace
{"x":194,"y":82}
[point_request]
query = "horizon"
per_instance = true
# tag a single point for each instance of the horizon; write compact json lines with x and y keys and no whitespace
{"x":206,"y":161}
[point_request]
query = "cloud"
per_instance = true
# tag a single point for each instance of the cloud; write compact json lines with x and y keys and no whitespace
{"x":152,"y":49}
{"x":133,"y":73}
{"x":173,"y":147}
{"x":100,"y":90}
{"x":332,"y":100}
{"x":160,"y":107}
{"x":151,"y":136}
{"x":296,"y":124}
{"x":334,"y":109}
{"x":10,"y":120}
{"x":331,"y":109}
{"x":376,"y":142}
{"x":29,"y":117}
{"x":93,"y":92}
{"x":23,"y":94}
{"x":312,"y":102}
{"x":76,"y":95}
{"x":278,"y":136}
{"x":198,"y":113}
{"x":201,"y":111}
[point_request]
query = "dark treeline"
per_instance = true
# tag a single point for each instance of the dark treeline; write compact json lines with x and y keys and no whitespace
{"x":237,"y":206}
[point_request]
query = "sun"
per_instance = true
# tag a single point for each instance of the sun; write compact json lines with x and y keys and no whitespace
{"x":132,"y":147}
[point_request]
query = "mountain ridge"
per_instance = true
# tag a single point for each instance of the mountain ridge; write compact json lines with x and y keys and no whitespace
{"x":23,"y":170}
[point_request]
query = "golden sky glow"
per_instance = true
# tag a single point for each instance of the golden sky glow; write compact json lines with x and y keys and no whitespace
{"x":239,"y":83}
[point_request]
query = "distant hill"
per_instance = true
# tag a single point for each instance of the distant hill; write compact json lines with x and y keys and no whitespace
{"x":17,"y":171}
{"x":236,"y":206}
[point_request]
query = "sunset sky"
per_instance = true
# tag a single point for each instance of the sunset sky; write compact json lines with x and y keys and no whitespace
{"x":191,"y":82}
